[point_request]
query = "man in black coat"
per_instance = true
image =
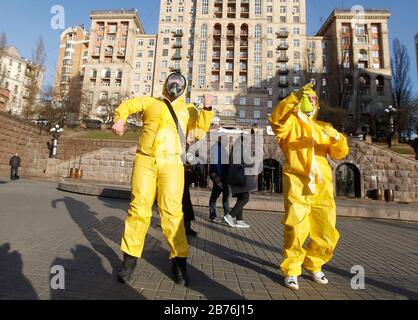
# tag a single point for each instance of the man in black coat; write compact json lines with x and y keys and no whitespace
{"x":14,"y":164}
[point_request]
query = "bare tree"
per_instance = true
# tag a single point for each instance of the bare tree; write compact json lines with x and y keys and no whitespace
{"x":33,"y":76}
{"x":401,"y":85}
{"x":334,"y":115}
{"x":49,"y":109}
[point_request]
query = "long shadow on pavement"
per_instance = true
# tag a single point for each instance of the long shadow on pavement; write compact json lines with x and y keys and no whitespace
{"x":91,"y":228}
{"x":259,"y":244}
{"x":379,"y":284}
{"x":13,"y":283}
{"x":86,"y":278}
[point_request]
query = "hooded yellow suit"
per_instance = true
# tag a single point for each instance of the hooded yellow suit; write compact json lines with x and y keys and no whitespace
{"x":158,"y":166}
{"x":308,"y":188}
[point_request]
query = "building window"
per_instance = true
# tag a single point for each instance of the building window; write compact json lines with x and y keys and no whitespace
{"x":257,"y":115}
{"x":257,"y":10}
{"x":205,"y":6}
{"x":204,"y":31}
{"x":257,"y":31}
{"x":257,"y":101}
{"x":242,"y":101}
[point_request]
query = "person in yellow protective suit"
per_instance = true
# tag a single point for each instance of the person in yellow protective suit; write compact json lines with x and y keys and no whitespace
{"x":158,"y":166}
{"x":308,"y":189}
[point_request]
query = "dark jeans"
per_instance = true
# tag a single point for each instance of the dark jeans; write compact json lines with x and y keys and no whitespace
{"x":216,"y":192}
{"x":13,"y":173}
{"x":242,"y":200}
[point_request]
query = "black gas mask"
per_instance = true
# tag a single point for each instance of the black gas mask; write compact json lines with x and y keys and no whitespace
{"x":175,"y":85}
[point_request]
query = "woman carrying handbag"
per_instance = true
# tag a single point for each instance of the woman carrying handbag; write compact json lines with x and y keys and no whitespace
{"x":241,"y":186}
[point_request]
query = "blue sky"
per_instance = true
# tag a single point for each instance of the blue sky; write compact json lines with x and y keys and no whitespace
{"x":25,"y":20}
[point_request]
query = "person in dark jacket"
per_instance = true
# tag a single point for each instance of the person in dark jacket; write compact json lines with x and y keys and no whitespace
{"x":14,"y":166}
{"x":218,"y":173}
{"x":235,"y":218}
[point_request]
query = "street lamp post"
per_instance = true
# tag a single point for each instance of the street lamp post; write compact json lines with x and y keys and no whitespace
{"x":56,"y":133}
{"x":391,"y":111}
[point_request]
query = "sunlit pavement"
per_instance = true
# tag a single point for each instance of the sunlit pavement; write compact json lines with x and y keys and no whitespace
{"x":42,"y":227}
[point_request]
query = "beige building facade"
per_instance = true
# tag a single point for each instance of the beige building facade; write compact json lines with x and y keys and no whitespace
{"x":359,"y":71}
{"x":71,"y":64}
{"x":110,"y":72}
{"x":248,"y":54}
{"x":15,"y":76}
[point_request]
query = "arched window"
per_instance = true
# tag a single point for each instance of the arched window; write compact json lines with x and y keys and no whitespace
{"x":380,"y":85}
{"x":109,"y":50}
{"x":364,"y":85}
{"x":104,"y":96}
{"x":363,"y":55}
{"x":106,"y":73}
{"x":364,"y":80}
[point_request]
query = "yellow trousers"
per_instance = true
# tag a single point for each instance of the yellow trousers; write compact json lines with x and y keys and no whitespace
{"x":149,"y":175}
{"x":308,"y":215}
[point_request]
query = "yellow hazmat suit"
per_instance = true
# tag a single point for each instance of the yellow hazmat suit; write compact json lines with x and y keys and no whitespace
{"x":158,"y":166}
{"x":308,"y":188}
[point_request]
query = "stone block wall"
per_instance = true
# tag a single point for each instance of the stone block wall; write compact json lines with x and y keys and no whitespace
{"x":22,"y":137}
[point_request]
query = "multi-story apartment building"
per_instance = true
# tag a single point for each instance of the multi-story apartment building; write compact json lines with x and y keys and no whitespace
{"x":71,"y":63}
{"x":359,"y":71}
{"x":21,"y":78}
{"x":144,"y":64}
{"x":248,"y":54}
{"x":109,"y":72}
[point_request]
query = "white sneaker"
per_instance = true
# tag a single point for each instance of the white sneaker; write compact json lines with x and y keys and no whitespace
{"x":318,"y":277}
{"x":229,"y":220}
{"x":291,"y":282}
{"x":241,"y":224}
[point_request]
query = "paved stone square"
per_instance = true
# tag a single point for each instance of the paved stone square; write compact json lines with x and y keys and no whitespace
{"x":41,"y":227}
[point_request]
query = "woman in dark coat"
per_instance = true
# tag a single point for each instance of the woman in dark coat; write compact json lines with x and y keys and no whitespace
{"x":241,"y":186}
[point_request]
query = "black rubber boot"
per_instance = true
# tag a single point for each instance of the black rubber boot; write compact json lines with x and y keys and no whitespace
{"x":189,"y":230}
{"x":179,"y":270}
{"x":127,"y":268}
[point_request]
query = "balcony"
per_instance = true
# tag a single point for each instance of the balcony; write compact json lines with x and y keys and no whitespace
{"x":283,"y":71}
{"x":283,"y":84}
{"x":218,"y":14}
{"x":283,"y":46}
{"x":176,"y":57}
{"x":228,"y":86}
{"x":178,"y":33}
{"x":175,"y":69}
{"x":245,"y":14}
{"x":243,"y":44}
{"x":216,"y":56}
{"x":282,"y":34}
{"x":231,"y":13}
{"x":283,"y":59}
{"x":230,"y":33}
{"x":217,"y":44}
{"x":214,"y":86}
{"x":244,"y":33}
{"x":230,"y":44}
{"x":121,"y":53}
{"x":177,"y":46}
{"x":217,"y":33}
